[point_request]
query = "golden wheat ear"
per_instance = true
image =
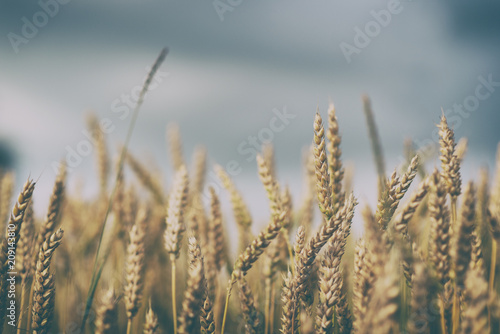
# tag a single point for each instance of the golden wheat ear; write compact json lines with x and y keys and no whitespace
{"x":9,"y":242}
{"x":151,"y":324}
{"x":44,"y":285}
{"x":107,"y":314}
{"x":134,"y":268}
{"x":376,"y":143}
{"x":189,"y":319}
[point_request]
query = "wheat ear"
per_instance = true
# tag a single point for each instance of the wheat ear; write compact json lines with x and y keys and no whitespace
{"x":103,"y":164}
{"x":394,"y":191}
{"x":107,"y":314}
{"x":404,"y":217}
{"x":149,"y":181}
{"x":10,"y":240}
{"x":25,"y":254}
{"x":44,"y":285}
{"x":6,"y":193}
{"x":175,"y":145}
{"x":335,"y":168}
{"x":207,"y":316}
{"x":306,"y":258}
{"x":240,"y":209}
{"x":134,"y":268}
{"x":199,"y":171}
{"x":375,"y":141}
{"x":384,"y":307}
{"x":421,"y":299}
{"x":289,"y":298}
{"x":463,"y":249}
{"x":151,"y":324}
{"x":475,"y":317}
{"x":174,"y":232}
{"x":253,"y":251}
{"x":54,"y":211}
{"x":189,"y":319}
{"x":450,"y":163}
{"x":323,"y":187}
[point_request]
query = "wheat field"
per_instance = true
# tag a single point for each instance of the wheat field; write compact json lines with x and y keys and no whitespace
{"x":142,"y":258}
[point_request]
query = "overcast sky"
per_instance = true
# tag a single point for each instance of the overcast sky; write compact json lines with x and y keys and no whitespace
{"x":231,"y":69}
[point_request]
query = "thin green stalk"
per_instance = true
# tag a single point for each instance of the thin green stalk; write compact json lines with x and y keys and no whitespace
{"x":97,"y":271}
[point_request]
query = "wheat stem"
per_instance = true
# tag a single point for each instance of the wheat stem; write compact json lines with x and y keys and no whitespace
{"x":129,"y":326}
{"x":493,"y":265}
{"x":174,"y":304}
{"x":226,"y":304}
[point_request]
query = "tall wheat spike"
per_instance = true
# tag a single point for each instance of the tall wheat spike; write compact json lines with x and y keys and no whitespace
{"x":189,"y":318}
{"x":375,"y":142}
{"x":10,"y":241}
{"x":134,"y":268}
{"x":44,"y":286}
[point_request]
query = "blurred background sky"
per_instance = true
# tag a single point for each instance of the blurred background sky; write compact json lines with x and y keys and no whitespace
{"x":227,"y":72}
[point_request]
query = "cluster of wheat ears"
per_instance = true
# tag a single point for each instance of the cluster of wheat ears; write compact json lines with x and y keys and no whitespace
{"x":424,"y":264}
